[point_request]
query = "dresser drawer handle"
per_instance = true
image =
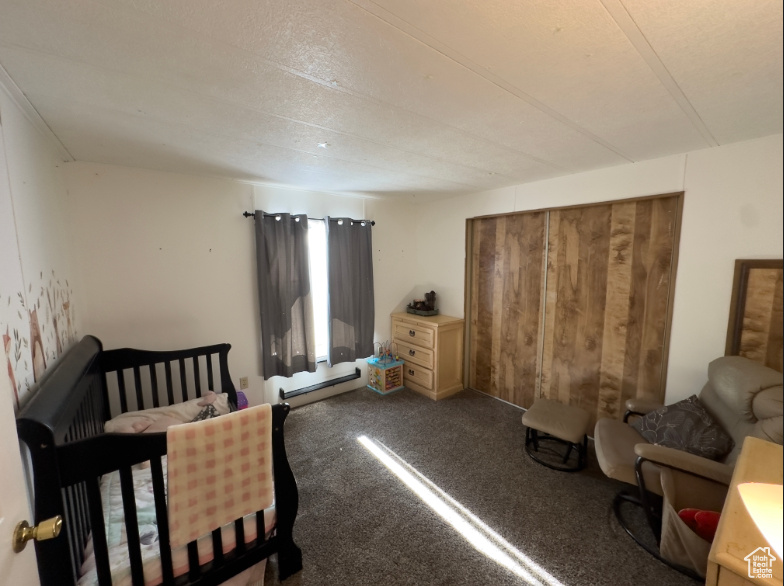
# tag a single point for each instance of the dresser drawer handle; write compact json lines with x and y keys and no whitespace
{"x":411,"y":352}
{"x":411,"y":371}
{"x":411,"y":333}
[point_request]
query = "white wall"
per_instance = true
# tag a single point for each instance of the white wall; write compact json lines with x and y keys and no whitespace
{"x":37,"y":303}
{"x":168,"y":261}
{"x":394,"y":259}
{"x":732,"y":209}
{"x":35,"y":280}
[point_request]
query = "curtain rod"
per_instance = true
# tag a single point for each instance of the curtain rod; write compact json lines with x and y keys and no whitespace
{"x":253,"y":215}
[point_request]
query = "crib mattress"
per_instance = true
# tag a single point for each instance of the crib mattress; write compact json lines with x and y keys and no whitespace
{"x":117,"y":542}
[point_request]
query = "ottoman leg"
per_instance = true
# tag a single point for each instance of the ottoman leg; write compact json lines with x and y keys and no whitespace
{"x":569,"y":453}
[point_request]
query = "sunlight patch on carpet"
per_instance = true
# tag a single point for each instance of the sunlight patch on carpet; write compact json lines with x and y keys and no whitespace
{"x":476,"y":532}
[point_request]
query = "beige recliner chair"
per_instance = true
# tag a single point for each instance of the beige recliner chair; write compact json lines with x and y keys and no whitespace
{"x":745,"y":399}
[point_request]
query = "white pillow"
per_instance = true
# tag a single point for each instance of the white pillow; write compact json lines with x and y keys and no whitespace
{"x":159,"y":418}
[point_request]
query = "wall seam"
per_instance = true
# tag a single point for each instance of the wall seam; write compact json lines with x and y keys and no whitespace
{"x":16,"y":95}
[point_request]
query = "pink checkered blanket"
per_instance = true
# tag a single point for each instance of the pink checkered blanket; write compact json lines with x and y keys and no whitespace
{"x":219,"y":470}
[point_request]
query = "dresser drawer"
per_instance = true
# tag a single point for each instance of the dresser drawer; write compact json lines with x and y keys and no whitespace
{"x":412,"y":334}
{"x":418,"y":374}
{"x":415,"y":354}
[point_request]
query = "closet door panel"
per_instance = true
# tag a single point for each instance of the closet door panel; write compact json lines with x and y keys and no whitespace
{"x":579,"y":245}
{"x":506,"y":305}
{"x":653,"y":255}
{"x":483,"y":270}
{"x":614,"y":366}
{"x":607,"y":303}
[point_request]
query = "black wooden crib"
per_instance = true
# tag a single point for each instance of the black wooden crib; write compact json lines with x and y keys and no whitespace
{"x":63,"y":428}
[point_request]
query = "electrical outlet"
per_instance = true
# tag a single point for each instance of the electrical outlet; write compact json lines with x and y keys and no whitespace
{"x":243,"y":382}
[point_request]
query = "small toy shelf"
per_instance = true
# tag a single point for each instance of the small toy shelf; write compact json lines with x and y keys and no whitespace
{"x":385,"y":375}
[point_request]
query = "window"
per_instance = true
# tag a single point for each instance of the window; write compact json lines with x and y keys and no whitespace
{"x":317,"y":255}
{"x":330,"y":264}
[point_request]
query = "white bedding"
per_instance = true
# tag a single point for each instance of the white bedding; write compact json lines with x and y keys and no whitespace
{"x":159,"y":418}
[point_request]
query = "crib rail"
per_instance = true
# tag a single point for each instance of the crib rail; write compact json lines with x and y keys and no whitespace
{"x":83,"y":462}
{"x":141,"y":379}
{"x":93,"y":457}
{"x":62,"y":426}
{"x":68,"y":406}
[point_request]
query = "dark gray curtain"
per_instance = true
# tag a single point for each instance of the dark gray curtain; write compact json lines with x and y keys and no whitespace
{"x":351,"y":301}
{"x":288,"y":342}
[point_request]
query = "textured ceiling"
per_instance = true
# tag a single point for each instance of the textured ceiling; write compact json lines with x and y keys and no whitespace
{"x":394,"y":97}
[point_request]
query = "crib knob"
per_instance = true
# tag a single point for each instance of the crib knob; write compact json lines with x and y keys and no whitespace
{"x":48,"y":529}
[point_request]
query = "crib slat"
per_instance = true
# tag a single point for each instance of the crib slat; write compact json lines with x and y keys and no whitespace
{"x":169,"y":385}
{"x":84,"y":424}
{"x":100,"y":548}
{"x":121,"y":388}
{"x":70,"y":521}
{"x":226,"y":385}
{"x":94,"y":404}
{"x":84,"y":516}
{"x":239,"y":532}
{"x":77,"y":426}
{"x":79,"y":519}
{"x":162,"y":515}
{"x":210,"y":385}
{"x":196,"y":376}
{"x":104,"y":390}
{"x":137,"y":379}
{"x":217,"y":546}
{"x":154,"y":386}
{"x":193,"y":561}
{"x":261,"y":533}
{"x":183,"y":381}
{"x":131,"y":526}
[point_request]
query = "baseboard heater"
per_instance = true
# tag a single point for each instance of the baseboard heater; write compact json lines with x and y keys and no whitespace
{"x":319,"y":386}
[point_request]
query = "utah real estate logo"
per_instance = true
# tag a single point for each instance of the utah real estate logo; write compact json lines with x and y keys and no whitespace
{"x":760,"y":563}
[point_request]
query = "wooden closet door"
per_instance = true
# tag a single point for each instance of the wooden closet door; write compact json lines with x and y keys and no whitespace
{"x":598,"y":335}
{"x":506,"y":280}
{"x":607,"y":310}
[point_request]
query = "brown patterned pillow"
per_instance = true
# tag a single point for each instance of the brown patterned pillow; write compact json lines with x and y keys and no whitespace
{"x":685,"y":425}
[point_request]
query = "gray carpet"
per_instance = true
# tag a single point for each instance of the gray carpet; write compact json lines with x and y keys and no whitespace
{"x":360,"y":524}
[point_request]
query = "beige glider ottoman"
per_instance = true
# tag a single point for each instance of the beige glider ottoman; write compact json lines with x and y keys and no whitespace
{"x":562,"y":424}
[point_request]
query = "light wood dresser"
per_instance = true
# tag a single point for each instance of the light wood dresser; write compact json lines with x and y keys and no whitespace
{"x":432,"y":348}
{"x":737,"y":537}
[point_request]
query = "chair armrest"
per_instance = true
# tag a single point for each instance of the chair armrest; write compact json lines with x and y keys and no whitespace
{"x":690,"y":463}
{"x":635,"y":406}
{"x":642,"y":406}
